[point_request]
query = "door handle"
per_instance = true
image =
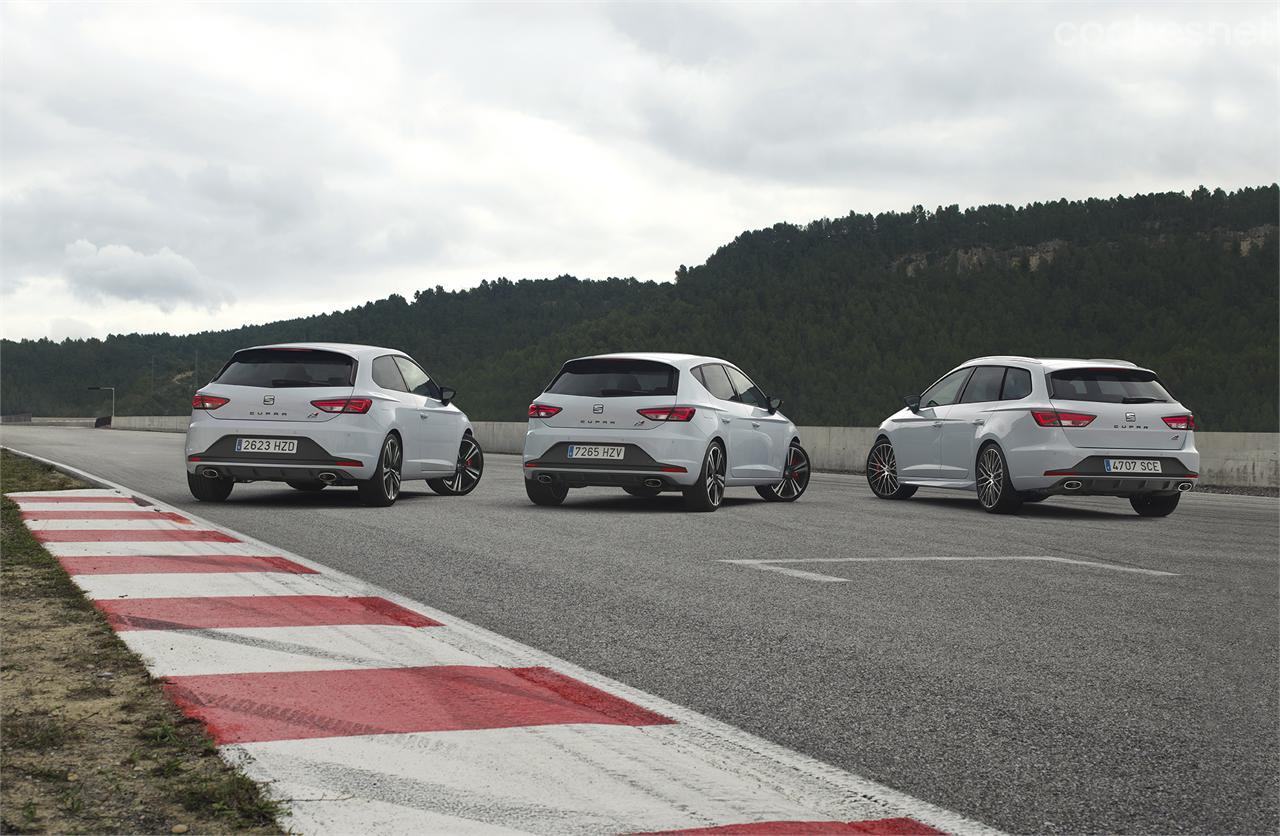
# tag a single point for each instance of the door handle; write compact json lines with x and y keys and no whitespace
{"x":937,"y":423}
{"x":424,"y":416}
{"x":755,"y":424}
{"x":978,"y":422}
{"x":726,"y":420}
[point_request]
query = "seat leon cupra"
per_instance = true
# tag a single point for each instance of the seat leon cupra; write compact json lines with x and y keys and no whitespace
{"x":313,"y":415}
{"x":1017,"y":430}
{"x":649,"y":423}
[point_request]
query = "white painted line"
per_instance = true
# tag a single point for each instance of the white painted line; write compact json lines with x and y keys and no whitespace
{"x":276,"y":649}
{"x":211,"y":584}
{"x":109,"y":525}
{"x":33,"y":505}
{"x":772,"y":565}
{"x":23,"y":496}
{"x":124,"y":548}
{"x":547,"y":779}
{"x":555,"y":779}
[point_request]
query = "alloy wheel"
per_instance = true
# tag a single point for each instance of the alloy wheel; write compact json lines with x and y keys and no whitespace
{"x":391,"y":462}
{"x":468,"y":471}
{"x":883,"y":470}
{"x":990,"y":477}
{"x":795,"y":476}
{"x":715,"y":471}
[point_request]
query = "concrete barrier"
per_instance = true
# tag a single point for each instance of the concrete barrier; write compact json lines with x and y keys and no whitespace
{"x":1240,"y":460}
{"x":63,"y":422}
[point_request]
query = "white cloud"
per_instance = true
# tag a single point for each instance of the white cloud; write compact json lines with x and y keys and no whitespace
{"x":164,"y":279}
{"x":280,"y":160}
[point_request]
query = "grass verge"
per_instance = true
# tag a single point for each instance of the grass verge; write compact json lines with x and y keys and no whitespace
{"x":88,"y":742}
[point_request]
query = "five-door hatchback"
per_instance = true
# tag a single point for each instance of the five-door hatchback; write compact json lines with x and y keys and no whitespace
{"x":1017,"y":430}
{"x":313,"y":415}
{"x":649,"y":423}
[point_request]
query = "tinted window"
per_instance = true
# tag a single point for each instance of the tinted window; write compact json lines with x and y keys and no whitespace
{"x":416,"y":379}
{"x":748,"y":392}
{"x":1017,"y":384}
{"x":714,"y":378}
{"x":945,"y":391}
{"x":277,"y":368}
{"x":984,"y":385}
{"x":1107,"y":386}
{"x":622,"y":378}
{"x":386,"y":375}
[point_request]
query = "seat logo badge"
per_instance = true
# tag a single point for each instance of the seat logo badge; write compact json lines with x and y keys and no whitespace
{"x":1131,"y":416}
{"x":598,"y":408}
{"x":268,"y":400}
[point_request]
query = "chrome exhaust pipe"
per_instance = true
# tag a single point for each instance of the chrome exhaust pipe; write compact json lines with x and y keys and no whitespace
{"x":210,"y":473}
{"x":1073,"y":485}
{"x":327,"y":477}
{"x":1185,"y":486}
{"x":653,"y":483}
{"x":545,"y":479}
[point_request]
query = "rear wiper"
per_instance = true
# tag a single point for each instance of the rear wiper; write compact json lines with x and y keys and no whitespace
{"x":1143,"y":400}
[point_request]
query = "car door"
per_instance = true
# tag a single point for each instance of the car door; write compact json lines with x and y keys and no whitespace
{"x":917,"y":436}
{"x":386,"y":376}
{"x":965,"y":420}
{"x":439,"y":426}
{"x":730,"y":412}
{"x":764,"y":436}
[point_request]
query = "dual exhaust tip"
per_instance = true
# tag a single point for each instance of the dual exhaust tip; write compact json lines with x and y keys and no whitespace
{"x":547,"y":479}
{"x":325,"y":476}
{"x":1075,"y":485}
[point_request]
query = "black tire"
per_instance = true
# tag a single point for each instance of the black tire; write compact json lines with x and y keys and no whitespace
{"x":995,"y":492}
{"x":707,"y":494}
{"x":540,"y":494}
{"x":383,"y":488}
{"x":882,"y":472}
{"x":310,"y":487}
{"x":795,"y":478}
{"x":1154,"y":505}
{"x":210,"y":490}
{"x":643,"y":493}
{"x":467,"y":473}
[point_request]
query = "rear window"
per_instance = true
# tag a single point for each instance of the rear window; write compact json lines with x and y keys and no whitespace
{"x":615,"y":379}
{"x":276,"y":368}
{"x":1107,"y":386}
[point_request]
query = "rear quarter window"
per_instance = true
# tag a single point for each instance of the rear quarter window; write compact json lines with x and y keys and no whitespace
{"x":275,"y":368}
{"x":1107,"y":386}
{"x":620,"y":378}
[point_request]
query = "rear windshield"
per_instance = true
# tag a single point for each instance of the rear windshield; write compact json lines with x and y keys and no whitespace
{"x":615,"y":379}
{"x":1107,"y":386}
{"x":278,"y":368}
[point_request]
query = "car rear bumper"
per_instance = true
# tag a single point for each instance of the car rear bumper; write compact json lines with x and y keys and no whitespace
{"x":666,"y":459}
{"x":1087,"y":475}
{"x":348,"y":453}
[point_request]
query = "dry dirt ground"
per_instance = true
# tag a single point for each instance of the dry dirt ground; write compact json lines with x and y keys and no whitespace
{"x":88,"y":743}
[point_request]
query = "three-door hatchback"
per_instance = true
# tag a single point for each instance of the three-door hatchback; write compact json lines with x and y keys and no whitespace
{"x":1017,"y":429}
{"x":649,"y":423}
{"x":313,"y":415}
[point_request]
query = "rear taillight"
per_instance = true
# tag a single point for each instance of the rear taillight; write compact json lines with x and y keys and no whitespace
{"x":1058,"y":418}
{"x":541,"y":410}
{"x":357,"y":405}
{"x":208,"y":402}
{"x":668,"y":413}
{"x":1180,"y":422}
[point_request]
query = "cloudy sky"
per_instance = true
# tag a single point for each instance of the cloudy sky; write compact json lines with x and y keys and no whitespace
{"x":186,"y":167}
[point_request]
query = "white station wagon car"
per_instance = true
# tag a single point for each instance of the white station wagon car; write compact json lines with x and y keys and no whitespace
{"x":649,"y":423}
{"x":313,"y":415}
{"x":1017,"y":429}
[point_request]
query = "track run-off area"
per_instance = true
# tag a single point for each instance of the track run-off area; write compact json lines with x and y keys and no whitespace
{"x":1073,"y":668}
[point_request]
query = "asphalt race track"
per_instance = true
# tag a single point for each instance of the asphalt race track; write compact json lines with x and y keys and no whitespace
{"x":1119,"y":675}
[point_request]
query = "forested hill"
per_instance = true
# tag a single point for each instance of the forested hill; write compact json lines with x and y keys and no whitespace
{"x":839,"y":317}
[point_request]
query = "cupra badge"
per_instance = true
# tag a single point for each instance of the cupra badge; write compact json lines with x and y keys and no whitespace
{"x":598,"y":408}
{"x":268,"y":399}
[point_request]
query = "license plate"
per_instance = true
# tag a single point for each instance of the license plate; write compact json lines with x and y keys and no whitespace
{"x":267,"y":445}
{"x":595,"y":451}
{"x":1131,"y":465}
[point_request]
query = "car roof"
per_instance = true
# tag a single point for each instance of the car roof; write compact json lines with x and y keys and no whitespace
{"x":351,"y":349}
{"x":1055,"y":363}
{"x":681,"y":361}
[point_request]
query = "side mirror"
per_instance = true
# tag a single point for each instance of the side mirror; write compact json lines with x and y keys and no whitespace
{"x":774,"y":405}
{"x":912,"y":402}
{"x":447,"y":395}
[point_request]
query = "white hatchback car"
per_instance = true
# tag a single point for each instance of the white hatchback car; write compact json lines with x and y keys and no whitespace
{"x":1017,"y":430}
{"x":318,"y":414}
{"x":649,"y":423}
